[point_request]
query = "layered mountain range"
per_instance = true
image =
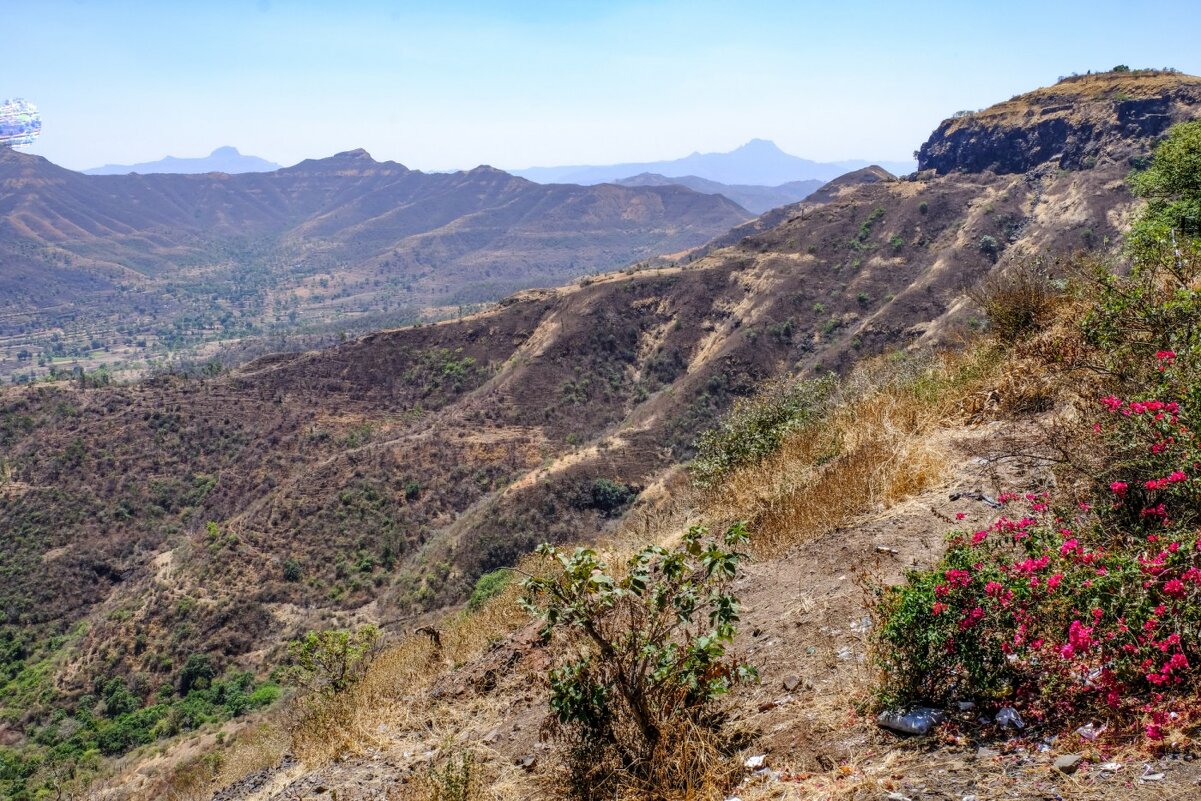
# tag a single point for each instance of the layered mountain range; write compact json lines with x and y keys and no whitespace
{"x":376,"y":480}
{"x":759,"y":162}
{"x":753,"y":198}
{"x":125,"y":265}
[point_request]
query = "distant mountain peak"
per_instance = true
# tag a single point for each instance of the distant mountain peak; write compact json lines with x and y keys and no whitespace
{"x":224,"y":159}
{"x":760,"y":146}
{"x":358,"y":154}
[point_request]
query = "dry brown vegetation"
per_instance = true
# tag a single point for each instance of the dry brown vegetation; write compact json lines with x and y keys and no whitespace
{"x":876,"y":447}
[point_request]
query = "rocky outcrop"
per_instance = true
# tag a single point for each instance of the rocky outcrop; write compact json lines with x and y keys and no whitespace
{"x":1072,"y":125}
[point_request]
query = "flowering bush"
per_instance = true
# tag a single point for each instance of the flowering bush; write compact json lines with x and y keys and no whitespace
{"x":1087,"y":613}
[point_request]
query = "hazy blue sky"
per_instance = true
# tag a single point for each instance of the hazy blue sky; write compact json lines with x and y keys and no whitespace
{"x":454,"y":84}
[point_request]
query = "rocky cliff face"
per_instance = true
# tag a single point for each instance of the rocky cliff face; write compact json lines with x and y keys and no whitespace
{"x":1074,"y":124}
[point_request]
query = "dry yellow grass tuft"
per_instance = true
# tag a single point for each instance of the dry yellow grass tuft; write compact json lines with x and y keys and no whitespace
{"x":393,"y":692}
{"x":876,"y":447}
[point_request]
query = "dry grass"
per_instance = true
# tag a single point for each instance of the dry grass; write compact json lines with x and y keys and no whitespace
{"x":876,"y":447}
{"x":258,"y":748}
{"x":394,"y":693}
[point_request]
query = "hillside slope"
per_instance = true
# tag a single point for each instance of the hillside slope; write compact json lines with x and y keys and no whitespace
{"x":395,"y":469}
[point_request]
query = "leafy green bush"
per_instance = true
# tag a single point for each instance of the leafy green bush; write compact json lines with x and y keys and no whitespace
{"x":756,"y":426}
{"x":647,"y":659}
{"x":609,"y":496}
{"x":488,"y":586}
{"x":1155,"y":309}
{"x":989,"y":246}
{"x":292,"y":570}
{"x":330,"y":662}
{"x":1172,"y":188}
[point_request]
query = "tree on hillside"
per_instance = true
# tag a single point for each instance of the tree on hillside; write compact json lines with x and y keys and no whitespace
{"x":1172,"y":187}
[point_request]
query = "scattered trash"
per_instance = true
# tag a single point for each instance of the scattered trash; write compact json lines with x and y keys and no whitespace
{"x":887,"y":550}
{"x":918,"y":720}
{"x":1091,"y":732}
{"x":977,"y":496}
{"x":861,"y":626}
{"x":898,"y":797}
{"x":1149,"y":775}
{"x":1110,"y":767}
{"x":984,"y":752}
{"x":755,"y":762}
{"x":1068,"y":763}
{"x":1008,"y":715}
{"x":965,"y":706}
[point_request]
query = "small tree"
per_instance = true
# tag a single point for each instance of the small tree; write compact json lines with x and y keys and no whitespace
{"x":1172,"y":188}
{"x":647,"y":658}
{"x":330,"y":662}
{"x":989,"y":246}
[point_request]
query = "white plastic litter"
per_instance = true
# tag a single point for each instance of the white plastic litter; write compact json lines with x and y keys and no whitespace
{"x":1008,"y":715}
{"x":918,"y":720}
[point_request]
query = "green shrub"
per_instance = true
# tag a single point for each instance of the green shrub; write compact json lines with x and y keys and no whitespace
{"x":197,"y":673}
{"x":989,"y":246}
{"x":330,"y":662}
{"x":647,"y":659}
{"x":610,"y":496}
{"x":1172,"y":188}
{"x":488,"y":586}
{"x":1155,"y":309}
{"x":756,"y":426}
{"x":292,"y":570}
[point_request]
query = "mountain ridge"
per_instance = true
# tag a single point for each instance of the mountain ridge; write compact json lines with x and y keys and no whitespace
{"x":755,"y":199}
{"x":325,"y":240}
{"x":759,"y":162}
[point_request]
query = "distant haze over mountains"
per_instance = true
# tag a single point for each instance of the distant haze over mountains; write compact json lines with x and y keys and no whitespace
{"x":223,"y":159}
{"x":755,"y":199}
{"x":758,"y":162}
